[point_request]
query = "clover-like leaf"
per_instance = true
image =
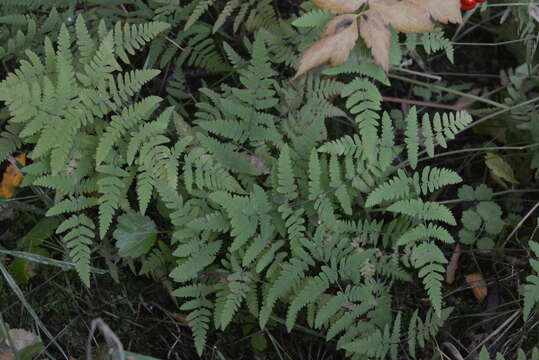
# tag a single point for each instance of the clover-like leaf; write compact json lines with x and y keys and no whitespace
{"x":466,"y":237}
{"x":471,"y":220}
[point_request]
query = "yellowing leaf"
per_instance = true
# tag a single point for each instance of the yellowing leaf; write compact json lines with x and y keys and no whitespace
{"x":500,"y":168}
{"x":339,"y":6}
{"x":404,"y":16}
{"x":478,"y":285}
{"x":12,"y":178}
{"x":377,"y":37}
{"x":339,"y":38}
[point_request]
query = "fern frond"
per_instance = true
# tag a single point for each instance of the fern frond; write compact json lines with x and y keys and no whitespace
{"x":9,"y":140}
{"x":290,"y":275}
{"x":412,"y":137}
{"x":313,"y":18}
{"x":195,"y":257}
{"x":364,"y":99}
{"x":112,"y":188}
{"x":229,"y":8}
{"x":312,"y":290}
{"x":72,"y":204}
{"x":201,"y":7}
{"x":423,"y":210}
{"x":287,"y":184}
{"x":443,"y":127}
{"x":131,"y":37}
{"x":394,"y":189}
{"x":120,"y":125}
{"x":78,"y":241}
{"x":85,"y":43}
{"x":345,"y":145}
{"x":425,"y":232}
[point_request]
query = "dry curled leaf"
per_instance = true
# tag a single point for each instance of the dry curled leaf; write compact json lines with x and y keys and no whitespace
{"x":444,"y":11}
{"x":478,"y":285}
{"x":376,"y":36}
{"x":181,"y":318}
{"x":20,"y":339}
{"x":259,"y":165}
{"x":339,"y":6}
{"x":12,"y":178}
{"x":408,"y":16}
{"x":453,"y":265}
{"x":339,"y":38}
{"x":404,"y":16}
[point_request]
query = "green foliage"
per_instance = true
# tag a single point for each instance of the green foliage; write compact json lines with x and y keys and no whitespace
{"x":188,"y":149}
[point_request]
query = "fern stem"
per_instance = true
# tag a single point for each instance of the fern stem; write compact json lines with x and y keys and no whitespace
{"x":492,"y":148}
{"x":450,"y":91}
{"x":500,"y":112}
{"x":500,"y":193}
{"x":418,"y":73}
{"x":519,"y":225}
{"x":420,"y":103}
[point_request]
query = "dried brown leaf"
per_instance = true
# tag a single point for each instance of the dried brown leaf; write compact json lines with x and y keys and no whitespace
{"x":533,"y":10}
{"x":259,"y":165}
{"x":465,"y":102}
{"x":339,"y":38}
{"x":404,"y":16}
{"x":478,"y":285}
{"x":444,"y":11}
{"x":376,"y":35}
{"x":453,"y":265}
{"x":339,"y":6}
{"x":21,"y":338}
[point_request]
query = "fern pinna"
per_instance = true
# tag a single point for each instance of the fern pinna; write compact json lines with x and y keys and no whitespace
{"x":241,"y":193}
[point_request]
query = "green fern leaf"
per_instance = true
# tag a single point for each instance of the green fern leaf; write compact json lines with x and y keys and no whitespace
{"x":423,"y":210}
{"x":200,"y":9}
{"x":412,"y":137}
{"x":312,"y":290}
{"x":313,"y":18}
{"x":120,"y":125}
{"x":78,"y":241}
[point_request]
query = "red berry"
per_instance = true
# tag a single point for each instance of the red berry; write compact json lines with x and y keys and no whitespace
{"x":468,"y":4}
{"x":480,"y":1}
